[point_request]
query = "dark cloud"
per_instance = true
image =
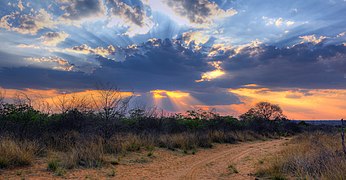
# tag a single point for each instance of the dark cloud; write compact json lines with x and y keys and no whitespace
{"x":156,"y":64}
{"x":79,"y":9}
{"x":199,"y":11}
{"x":301,"y":66}
{"x":39,"y":78}
{"x":135,"y":14}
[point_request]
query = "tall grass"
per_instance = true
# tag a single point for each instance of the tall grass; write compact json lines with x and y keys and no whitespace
{"x":16,"y":153}
{"x":309,"y":156}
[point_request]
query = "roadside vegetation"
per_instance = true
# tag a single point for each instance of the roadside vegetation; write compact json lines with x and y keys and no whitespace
{"x":315,"y":155}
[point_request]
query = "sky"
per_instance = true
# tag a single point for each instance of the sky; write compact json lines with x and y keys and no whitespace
{"x":181,"y":54}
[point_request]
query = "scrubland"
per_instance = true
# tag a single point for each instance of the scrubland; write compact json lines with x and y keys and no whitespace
{"x":80,"y":137}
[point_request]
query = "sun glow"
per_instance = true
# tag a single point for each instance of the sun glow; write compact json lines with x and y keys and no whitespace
{"x":218,"y":72}
{"x":169,"y":94}
{"x":179,"y":100}
{"x":298,"y":103}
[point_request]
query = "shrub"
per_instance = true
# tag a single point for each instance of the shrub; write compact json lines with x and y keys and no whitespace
{"x":53,"y":165}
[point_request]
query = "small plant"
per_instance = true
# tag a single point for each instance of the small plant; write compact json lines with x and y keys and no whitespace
{"x":60,"y":171}
{"x":114,"y":162}
{"x":19,"y":173}
{"x":232,"y":169}
{"x":112,"y":173}
{"x":53,"y":165}
{"x":140,"y":160}
{"x":150,"y":154}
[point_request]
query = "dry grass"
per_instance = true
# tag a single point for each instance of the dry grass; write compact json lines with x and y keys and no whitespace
{"x":84,"y":154}
{"x":184,"y":141}
{"x":71,"y":149}
{"x":16,"y":153}
{"x":309,"y":156}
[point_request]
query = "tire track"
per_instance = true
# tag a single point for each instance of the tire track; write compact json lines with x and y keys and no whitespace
{"x":233,"y":154}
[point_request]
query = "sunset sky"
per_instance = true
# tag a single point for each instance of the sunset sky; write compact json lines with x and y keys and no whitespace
{"x":181,"y":54}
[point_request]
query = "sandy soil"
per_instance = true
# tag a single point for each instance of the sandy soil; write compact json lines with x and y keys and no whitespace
{"x":164,"y":164}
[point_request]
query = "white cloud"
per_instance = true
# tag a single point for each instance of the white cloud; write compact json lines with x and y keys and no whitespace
{"x":53,"y":38}
{"x":134,"y":18}
{"x":85,"y":49}
{"x":28,"y":23}
{"x":56,"y":63}
{"x":278,"y":22}
{"x":313,"y":39}
{"x":20,"y":5}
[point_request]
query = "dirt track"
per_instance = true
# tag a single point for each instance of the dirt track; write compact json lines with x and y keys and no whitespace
{"x":205,"y":164}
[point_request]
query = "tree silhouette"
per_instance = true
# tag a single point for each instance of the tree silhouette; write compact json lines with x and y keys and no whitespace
{"x":264,"y":110}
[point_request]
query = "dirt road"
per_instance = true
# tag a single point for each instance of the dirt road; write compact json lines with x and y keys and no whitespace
{"x":223,"y":161}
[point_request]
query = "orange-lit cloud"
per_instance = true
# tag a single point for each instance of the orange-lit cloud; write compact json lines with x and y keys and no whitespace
{"x":297,"y":104}
{"x":218,"y":72}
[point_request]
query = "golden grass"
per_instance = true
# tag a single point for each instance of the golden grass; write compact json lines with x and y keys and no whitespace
{"x":309,"y":156}
{"x":16,"y":153}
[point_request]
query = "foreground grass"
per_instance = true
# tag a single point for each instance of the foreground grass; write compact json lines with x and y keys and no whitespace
{"x":16,"y":153}
{"x":309,"y":156}
{"x":74,"y":150}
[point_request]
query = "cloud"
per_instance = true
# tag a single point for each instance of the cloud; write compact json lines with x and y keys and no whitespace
{"x":302,"y":66}
{"x":278,"y":22}
{"x":44,"y":78}
{"x":313,"y":39}
{"x":341,"y":34}
{"x":28,"y":23}
{"x":134,"y":17}
{"x":85,"y":49}
{"x":220,"y":50}
{"x":31,"y":46}
{"x":20,"y":5}
{"x":196,"y":37}
{"x":199,"y":12}
{"x":53,"y":38}
{"x":78,"y":10}
{"x":217,"y":73}
{"x":56,"y":63}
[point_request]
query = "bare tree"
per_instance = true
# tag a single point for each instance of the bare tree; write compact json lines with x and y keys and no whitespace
{"x":60,"y":103}
{"x":110,"y":102}
{"x":42,"y":105}
{"x":264,"y":110}
{"x":21,"y":98}
{"x":67,"y":102}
